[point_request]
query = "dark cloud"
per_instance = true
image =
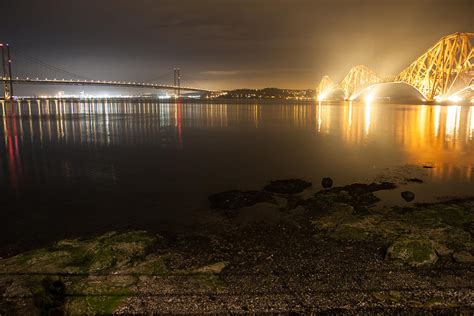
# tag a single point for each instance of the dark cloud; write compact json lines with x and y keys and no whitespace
{"x":230,"y":43}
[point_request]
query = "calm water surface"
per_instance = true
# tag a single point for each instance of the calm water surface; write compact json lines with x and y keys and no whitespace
{"x":145,"y":165}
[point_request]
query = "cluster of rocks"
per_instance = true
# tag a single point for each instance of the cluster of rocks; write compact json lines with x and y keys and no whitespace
{"x":417,"y":236}
{"x":235,"y":199}
{"x":120,"y":271}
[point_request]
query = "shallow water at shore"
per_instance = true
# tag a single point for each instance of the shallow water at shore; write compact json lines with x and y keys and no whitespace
{"x":151,"y":166}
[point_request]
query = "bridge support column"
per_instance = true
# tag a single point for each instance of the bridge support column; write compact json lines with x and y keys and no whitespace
{"x":177,"y":80}
{"x":7,"y":72}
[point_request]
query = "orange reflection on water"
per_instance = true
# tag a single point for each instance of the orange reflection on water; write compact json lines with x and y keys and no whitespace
{"x":434,"y":135}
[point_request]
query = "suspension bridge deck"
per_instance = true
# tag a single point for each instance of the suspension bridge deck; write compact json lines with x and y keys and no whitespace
{"x":99,"y":83}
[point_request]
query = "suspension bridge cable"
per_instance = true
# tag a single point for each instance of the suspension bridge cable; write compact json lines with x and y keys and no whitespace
{"x":167,"y":75}
{"x":50,"y":67}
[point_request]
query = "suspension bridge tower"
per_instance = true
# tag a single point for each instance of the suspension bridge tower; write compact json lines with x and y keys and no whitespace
{"x":7,"y":72}
{"x":177,"y":79}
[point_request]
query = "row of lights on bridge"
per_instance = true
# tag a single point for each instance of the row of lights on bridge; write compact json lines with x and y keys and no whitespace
{"x":72,"y":80}
{"x":91,"y":81}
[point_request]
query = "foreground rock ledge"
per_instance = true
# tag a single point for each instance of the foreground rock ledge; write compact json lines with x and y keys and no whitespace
{"x":92,"y":275}
{"x":330,"y":251}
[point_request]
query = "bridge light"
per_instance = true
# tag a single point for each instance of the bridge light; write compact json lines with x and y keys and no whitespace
{"x":369,"y":98}
{"x":455,"y":98}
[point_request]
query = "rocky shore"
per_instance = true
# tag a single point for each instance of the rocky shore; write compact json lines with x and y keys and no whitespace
{"x":335,"y":250}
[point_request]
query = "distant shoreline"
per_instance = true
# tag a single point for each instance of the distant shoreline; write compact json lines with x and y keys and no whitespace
{"x":228,"y":100}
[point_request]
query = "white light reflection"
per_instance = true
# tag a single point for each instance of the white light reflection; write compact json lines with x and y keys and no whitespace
{"x":367,"y":114}
{"x":471,"y":123}
{"x":452,"y":120}
{"x":319,"y":117}
{"x":437,"y":114}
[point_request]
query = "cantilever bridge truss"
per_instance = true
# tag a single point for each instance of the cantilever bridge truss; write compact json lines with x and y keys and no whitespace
{"x":444,"y":70}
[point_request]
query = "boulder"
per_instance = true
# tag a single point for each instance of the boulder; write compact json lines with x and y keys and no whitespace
{"x":327,"y":183}
{"x":414,"y":180}
{"x":408,"y":196}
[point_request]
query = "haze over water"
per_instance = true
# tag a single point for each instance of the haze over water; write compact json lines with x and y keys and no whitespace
{"x":146,"y":165}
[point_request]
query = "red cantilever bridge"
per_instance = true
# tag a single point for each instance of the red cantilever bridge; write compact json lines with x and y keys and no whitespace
{"x":8,"y":79}
{"x":444,"y":71}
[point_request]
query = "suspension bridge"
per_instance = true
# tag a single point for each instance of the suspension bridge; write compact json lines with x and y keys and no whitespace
{"x":445,"y":71}
{"x":30,"y":64}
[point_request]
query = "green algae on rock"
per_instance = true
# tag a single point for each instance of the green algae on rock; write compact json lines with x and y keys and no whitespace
{"x":98,"y":294}
{"x":447,"y":226}
{"x":93,"y":276}
{"x":413,"y":250}
{"x":111,"y":250}
{"x":358,"y":195}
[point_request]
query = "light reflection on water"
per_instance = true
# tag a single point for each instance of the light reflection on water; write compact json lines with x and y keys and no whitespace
{"x":129,"y":163}
{"x":438,"y":135}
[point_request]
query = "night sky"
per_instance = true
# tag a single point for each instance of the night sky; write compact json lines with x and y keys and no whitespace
{"x":223,"y":44}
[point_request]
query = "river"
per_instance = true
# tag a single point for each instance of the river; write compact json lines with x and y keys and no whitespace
{"x":82,"y":168}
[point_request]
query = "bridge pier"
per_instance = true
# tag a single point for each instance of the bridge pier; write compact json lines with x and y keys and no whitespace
{"x":7,"y":71}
